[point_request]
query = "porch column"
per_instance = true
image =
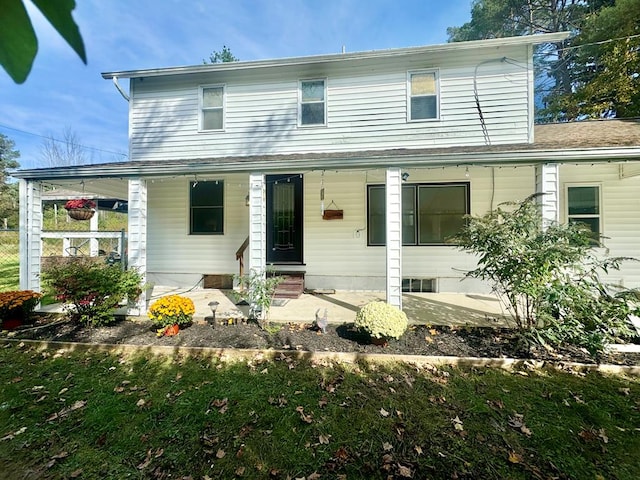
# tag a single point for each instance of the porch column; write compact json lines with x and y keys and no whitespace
{"x":547,"y":182}
{"x":137,"y":237}
{"x":394,"y":236}
{"x":30,"y":230}
{"x":257,"y":224}
{"x":94,"y":248}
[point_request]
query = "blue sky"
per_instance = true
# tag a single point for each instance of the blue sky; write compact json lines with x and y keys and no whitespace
{"x":63,"y":93}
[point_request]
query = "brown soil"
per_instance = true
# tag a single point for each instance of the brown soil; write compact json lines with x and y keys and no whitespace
{"x":418,"y":340}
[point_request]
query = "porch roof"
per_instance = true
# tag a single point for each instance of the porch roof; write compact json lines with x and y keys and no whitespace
{"x":616,"y":140}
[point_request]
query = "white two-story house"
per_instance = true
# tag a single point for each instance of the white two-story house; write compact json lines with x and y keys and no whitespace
{"x":352,"y":169}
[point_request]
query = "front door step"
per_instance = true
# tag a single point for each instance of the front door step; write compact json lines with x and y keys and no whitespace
{"x":291,"y":287}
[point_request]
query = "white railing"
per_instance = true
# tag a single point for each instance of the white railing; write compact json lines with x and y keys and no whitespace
{"x":75,"y":244}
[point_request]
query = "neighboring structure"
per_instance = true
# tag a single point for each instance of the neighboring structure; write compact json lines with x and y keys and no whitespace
{"x":353,"y":168}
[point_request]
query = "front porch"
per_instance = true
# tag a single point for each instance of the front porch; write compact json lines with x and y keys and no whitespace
{"x":453,"y":309}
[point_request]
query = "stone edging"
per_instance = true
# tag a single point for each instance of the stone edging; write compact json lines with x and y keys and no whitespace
{"x":229,"y":354}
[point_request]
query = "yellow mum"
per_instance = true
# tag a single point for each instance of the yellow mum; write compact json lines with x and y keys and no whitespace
{"x":172,"y":310}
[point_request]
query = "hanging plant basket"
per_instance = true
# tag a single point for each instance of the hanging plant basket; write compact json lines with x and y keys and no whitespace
{"x":81,"y":213}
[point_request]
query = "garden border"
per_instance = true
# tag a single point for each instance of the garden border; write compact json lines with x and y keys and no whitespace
{"x":229,"y":354}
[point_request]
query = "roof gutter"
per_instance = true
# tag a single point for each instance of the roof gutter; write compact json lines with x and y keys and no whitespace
{"x":422,"y":160}
{"x":342,"y":57}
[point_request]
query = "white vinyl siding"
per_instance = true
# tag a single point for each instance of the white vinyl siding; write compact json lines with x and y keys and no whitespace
{"x":366,"y":109}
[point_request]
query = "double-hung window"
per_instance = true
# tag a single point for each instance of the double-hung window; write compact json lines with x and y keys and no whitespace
{"x":212,"y":108}
{"x":422,"y":96}
{"x":431,"y":213}
{"x":583,"y":206}
{"x":206,"y":207}
{"x":312,"y":109}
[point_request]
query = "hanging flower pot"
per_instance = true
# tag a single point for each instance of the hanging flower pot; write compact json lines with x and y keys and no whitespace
{"x":81,"y":213}
{"x":80,"y":208}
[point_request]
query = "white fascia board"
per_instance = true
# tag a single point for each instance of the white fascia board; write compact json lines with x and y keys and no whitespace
{"x":341,"y":57}
{"x":422,"y":159}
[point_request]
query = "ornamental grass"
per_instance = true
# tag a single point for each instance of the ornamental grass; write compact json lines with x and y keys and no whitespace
{"x":172,"y":310}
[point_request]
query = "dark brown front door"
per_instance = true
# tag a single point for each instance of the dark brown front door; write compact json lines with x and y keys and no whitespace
{"x":284,"y":218}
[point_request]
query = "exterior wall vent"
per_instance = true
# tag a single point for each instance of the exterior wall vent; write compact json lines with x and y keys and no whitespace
{"x":425,"y":285}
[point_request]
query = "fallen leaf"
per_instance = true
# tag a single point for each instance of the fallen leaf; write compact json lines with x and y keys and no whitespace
{"x":60,"y":455}
{"x":405,"y":471}
{"x":515,"y":457}
{"x":418,"y":449}
{"x":384,"y":413}
{"x":220,"y":453}
{"x":624,"y":391}
{"x":323,"y":402}
{"x":457,"y":424}
{"x":304,"y":417}
{"x":76,"y":473}
{"x":141,"y":403}
{"x":603,"y":436}
{"x":239,"y":472}
{"x":386,"y":446}
{"x":313,"y":476}
{"x":66,"y":411}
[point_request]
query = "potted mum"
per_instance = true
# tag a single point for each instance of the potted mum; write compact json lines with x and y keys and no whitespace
{"x":80,"y":208}
{"x":170,"y":313}
{"x":17,"y":306}
{"x":381,"y":321}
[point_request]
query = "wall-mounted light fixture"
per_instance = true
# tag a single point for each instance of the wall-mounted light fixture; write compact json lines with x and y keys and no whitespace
{"x":405,"y":176}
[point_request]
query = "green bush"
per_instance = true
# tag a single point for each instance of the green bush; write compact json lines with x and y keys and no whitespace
{"x":92,"y":290}
{"x":381,"y":320}
{"x":549,"y":277}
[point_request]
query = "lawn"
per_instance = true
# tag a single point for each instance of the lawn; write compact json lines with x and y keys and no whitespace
{"x":9,"y":260}
{"x":92,"y":414}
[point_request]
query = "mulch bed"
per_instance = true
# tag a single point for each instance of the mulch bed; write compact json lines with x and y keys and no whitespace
{"x":418,"y":340}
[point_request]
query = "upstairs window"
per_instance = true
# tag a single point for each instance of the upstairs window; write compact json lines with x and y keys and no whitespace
{"x":583,"y":205}
{"x":212,"y":108}
{"x":313,"y":105}
{"x":206,"y":207}
{"x":423,"y":96}
{"x":431,"y":213}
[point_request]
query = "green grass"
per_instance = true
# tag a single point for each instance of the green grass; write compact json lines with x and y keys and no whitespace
{"x":104,"y":416}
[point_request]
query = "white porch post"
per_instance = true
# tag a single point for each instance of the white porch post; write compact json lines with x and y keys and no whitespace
{"x":137,"y":243}
{"x":257,"y":224}
{"x":394,"y":236}
{"x":30,"y":230}
{"x":93,"y":242}
{"x":547,"y":182}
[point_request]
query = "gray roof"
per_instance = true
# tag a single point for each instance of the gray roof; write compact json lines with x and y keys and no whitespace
{"x":586,"y":141}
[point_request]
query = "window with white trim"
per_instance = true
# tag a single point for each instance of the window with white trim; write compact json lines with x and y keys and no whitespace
{"x":432,"y":213}
{"x":313,"y":106}
{"x":206,"y":207}
{"x":422,"y":96}
{"x":583,"y":206}
{"x":212,"y":108}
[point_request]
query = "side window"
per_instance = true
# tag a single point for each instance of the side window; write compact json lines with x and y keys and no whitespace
{"x":313,"y":106}
{"x":583,"y":206}
{"x":206,"y":207}
{"x":212,"y":108}
{"x":423,"y":96}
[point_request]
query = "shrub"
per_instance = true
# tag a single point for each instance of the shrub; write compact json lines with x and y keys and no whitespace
{"x":92,"y":291}
{"x":18,"y":304}
{"x":548,"y":277}
{"x":172,"y":310}
{"x":381,"y":320}
{"x":257,"y":289}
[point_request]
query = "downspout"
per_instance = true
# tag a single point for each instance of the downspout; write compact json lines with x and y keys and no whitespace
{"x":122,"y":92}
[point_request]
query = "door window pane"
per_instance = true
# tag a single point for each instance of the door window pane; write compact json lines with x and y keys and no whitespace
{"x":377,"y":218}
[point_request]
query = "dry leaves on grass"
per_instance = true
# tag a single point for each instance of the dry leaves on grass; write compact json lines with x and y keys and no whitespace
{"x":517,"y":421}
{"x":66,"y":411}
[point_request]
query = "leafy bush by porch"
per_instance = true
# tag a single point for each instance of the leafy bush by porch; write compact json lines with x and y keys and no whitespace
{"x":91,"y":290}
{"x":549,"y":278}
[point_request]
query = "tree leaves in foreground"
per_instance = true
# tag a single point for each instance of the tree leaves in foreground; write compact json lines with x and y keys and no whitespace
{"x":18,"y":41}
